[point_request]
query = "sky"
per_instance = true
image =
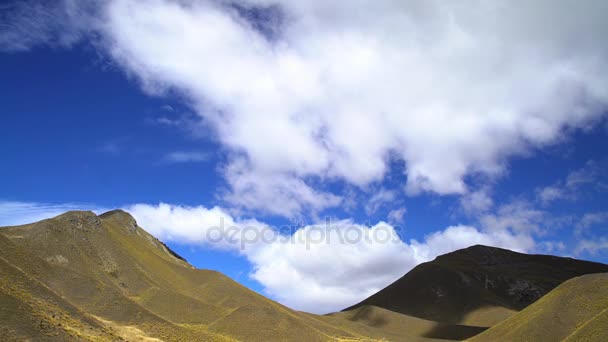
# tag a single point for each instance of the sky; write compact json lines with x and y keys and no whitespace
{"x":313,"y":151}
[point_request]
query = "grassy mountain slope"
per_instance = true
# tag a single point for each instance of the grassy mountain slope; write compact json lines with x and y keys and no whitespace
{"x":399,"y":326}
{"x":477,"y":286}
{"x":577,"y":310}
{"x":82,"y":288}
{"x":80,"y":276}
{"x":30,"y":310}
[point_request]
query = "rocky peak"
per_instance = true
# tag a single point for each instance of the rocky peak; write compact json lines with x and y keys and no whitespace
{"x":121,"y":217}
{"x":82,"y":220}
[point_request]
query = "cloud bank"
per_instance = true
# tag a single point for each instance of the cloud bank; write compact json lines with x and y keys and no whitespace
{"x":329,"y":265}
{"x":302,"y":94}
{"x":333,"y":264}
{"x":333,"y":91}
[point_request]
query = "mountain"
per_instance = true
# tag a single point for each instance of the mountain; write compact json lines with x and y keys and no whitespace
{"x":399,"y":327}
{"x":576,"y":310}
{"x":83,"y":277}
{"x":477,"y":286}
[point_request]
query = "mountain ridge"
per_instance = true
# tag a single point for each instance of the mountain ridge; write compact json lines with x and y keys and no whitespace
{"x":83,"y":277}
{"x":86,"y":277}
{"x":479,"y":285}
{"x":576,"y":310}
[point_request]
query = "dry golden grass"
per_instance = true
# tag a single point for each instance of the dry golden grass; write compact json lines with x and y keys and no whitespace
{"x":574,"y":311}
{"x":82,"y":277}
{"x":88,"y":277}
{"x":478,"y":286}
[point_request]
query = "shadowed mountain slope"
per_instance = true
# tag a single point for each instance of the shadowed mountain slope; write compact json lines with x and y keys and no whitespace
{"x":84,"y":277}
{"x":577,"y":310}
{"x":399,"y":327}
{"x":477,"y":286}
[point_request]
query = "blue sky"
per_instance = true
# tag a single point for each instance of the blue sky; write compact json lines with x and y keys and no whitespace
{"x":110,"y":106}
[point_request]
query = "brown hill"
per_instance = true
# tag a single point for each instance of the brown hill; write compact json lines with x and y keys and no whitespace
{"x":84,"y":277}
{"x":577,"y":310}
{"x":477,"y":286}
{"x":399,"y":327}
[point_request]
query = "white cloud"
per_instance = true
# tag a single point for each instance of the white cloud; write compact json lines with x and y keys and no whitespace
{"x":549,"y":194}
{"x":592,"y":247}
{"x":518,"y":217}
{"x":193,"y":125}
{"x":475,"y":203}
{"x":186,"y":157}
{"x":331,"y":275}
{"x":31,"y":23}
{"x":329,"y":266}
{"x":396,"y":215}
{"x":591,"y":219}
{"x":451,"y":88}
{"x":457,"y":237}
{"x":274,"y":193}
{"x":189,"y":225}
{"x":379,"y":199}
{"x":572,"y":187}
{"x":14,"y":213}
{"x":167,"y":108}
{"x":552,"y":247}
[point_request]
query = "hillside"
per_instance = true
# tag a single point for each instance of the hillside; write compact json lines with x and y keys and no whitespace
{"x":577,"y":310}
{"x":84,"y":277}
{"x":402,"y":327}
{"x":477,"y":286}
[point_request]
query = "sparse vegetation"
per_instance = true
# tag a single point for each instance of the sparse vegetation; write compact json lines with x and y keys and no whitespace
{"x":82,"y":277}
{"x":478,"y":286}
{"x":574,"y":311}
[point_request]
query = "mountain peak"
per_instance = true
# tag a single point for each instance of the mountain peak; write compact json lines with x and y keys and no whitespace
{"x":79,"y":218}
{"x":485,"y":250}
{"x":79,"y":214}
{"x":483,"y":255}
{"x":457,"y":287}
{"x":117,"y":213}
{"x":121,"y":217}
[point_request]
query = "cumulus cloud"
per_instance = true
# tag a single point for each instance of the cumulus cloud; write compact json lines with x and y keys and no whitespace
{"x":330,"y":265}
{"x":180,"y":224}
{"x":451,"y":89}
{"x":348,"y":265}
{"x":274,"y":193}
{"x":317,"y":91}
{"x":457,"y":237}
{"x":517,"y":216}
{"x":476,"y":202}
